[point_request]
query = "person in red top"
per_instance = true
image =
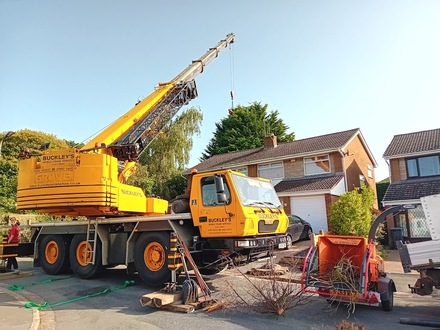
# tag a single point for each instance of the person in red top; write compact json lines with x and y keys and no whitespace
{"x":13,"y":237}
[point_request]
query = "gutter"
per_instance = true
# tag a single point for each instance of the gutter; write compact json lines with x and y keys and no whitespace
{"x":401,"y":202}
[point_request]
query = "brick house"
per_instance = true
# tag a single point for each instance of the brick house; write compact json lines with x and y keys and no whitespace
{"x":308,"y":174}
{"x":414,"y":166}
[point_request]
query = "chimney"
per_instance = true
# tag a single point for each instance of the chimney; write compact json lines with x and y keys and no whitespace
{"x":270,"y":141}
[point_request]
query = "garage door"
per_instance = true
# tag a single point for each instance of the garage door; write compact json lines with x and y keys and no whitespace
{"x":311,"y":209}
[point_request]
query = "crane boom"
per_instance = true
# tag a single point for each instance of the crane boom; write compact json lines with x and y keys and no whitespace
{"x":91,"y":181}
{"x":133,"y":132}
{"x":196,"y":67}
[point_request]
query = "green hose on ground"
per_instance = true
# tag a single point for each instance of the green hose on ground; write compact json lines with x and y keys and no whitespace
{"x":16,"y":287}
{"x":32,"y":304}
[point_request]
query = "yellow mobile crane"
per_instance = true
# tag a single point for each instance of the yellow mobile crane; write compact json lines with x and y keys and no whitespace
{"x":225,"y":216}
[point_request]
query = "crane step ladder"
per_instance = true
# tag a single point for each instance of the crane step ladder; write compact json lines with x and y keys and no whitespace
{"x":91,"y":239}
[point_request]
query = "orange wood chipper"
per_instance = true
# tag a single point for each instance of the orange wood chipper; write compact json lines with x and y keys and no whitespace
{"x":347,"y":269}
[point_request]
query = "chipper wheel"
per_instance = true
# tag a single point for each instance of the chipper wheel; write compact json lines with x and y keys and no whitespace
{"x":388,"y":297}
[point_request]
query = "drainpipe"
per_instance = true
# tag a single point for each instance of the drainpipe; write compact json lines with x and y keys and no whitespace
{"x":389,"y":169}
{"x":343,"y":154}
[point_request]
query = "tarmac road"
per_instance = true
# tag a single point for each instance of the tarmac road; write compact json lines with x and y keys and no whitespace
{"x":80,"y":304}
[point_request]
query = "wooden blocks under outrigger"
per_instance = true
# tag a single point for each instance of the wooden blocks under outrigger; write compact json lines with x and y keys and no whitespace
{"x":173,"y":302}
{"x":188,"y":297}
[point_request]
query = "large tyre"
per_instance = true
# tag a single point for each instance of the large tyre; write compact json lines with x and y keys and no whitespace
{"x":53,"y":254}
{"x":150,"y":258}
{"x":81,"y":257}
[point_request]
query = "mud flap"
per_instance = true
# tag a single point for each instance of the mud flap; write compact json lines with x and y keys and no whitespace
{"x":384,"y":285}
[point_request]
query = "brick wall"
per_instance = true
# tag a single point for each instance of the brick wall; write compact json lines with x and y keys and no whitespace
{"x":356,"y":163}
{"x":293,"y":168}
{"x":398,"y":170}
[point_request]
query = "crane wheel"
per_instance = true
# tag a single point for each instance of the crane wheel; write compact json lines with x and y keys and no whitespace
{"x":53,"y":254}
{"x":81,"y":257}
{"x":151,"y":258}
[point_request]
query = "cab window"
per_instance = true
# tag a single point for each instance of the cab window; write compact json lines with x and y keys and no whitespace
{"x":209,"y":193}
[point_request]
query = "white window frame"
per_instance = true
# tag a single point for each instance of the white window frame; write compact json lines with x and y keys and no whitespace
{"x":276,"y":168}
{"x":313,"y":160}
{"x":243,"y":170}
{"x":370,"y":171}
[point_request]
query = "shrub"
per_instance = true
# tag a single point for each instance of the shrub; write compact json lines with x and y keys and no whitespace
{"x":352,"y":214}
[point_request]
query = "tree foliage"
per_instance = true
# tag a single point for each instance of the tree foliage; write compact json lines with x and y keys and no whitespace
{"x":353,"y":214}
{"x":245,"y":128}
{"x":33,"y":140}
{"x":381,"y":188}
{"x":8,"y":185}
{"x":166,"y":158}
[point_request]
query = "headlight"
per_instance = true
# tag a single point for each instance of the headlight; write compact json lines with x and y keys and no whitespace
{"x":242,"y":243}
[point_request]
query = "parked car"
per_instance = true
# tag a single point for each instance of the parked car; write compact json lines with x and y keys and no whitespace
{"x":298,"y":229}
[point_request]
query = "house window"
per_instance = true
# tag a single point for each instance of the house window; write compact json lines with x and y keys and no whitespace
{"x":423,"y":166}
{"x":417,"y":222}
{"x":370,"y":171}
{"x":271,"y":171}
{"x":243,"y":170}
{"x":316,"y":165}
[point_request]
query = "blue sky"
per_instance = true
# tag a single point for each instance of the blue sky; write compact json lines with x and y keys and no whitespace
{"x":71,"y":67}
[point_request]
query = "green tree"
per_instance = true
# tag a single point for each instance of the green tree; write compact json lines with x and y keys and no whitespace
{"x":245,"y":128}
{"x":352,"y":214}
{"x":381,"y":188}
{"x":8,"y":186}
{"x":74,"y":144}
{"x":33,"y":140}
{"x":165,"y":159}
{"x":176,"y":185}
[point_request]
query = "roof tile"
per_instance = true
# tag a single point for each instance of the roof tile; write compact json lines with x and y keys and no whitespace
{"x":405,"y":144}
{"x":316,"y":144}
{"x":309,"y":183}
{"x":412,"y":189}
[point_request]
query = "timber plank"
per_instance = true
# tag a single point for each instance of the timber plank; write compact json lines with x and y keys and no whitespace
{"x":14,"y":274}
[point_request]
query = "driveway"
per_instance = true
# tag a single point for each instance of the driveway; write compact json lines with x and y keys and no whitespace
{"x":78,"y":304}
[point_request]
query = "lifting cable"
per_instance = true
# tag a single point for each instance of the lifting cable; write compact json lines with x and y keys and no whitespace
{"x":231,"y":75}
{"x":32,"y":304}
{"x":16,"y":287}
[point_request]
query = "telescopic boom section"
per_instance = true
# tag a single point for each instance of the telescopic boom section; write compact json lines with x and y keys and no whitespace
{"x":133,"y":132}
